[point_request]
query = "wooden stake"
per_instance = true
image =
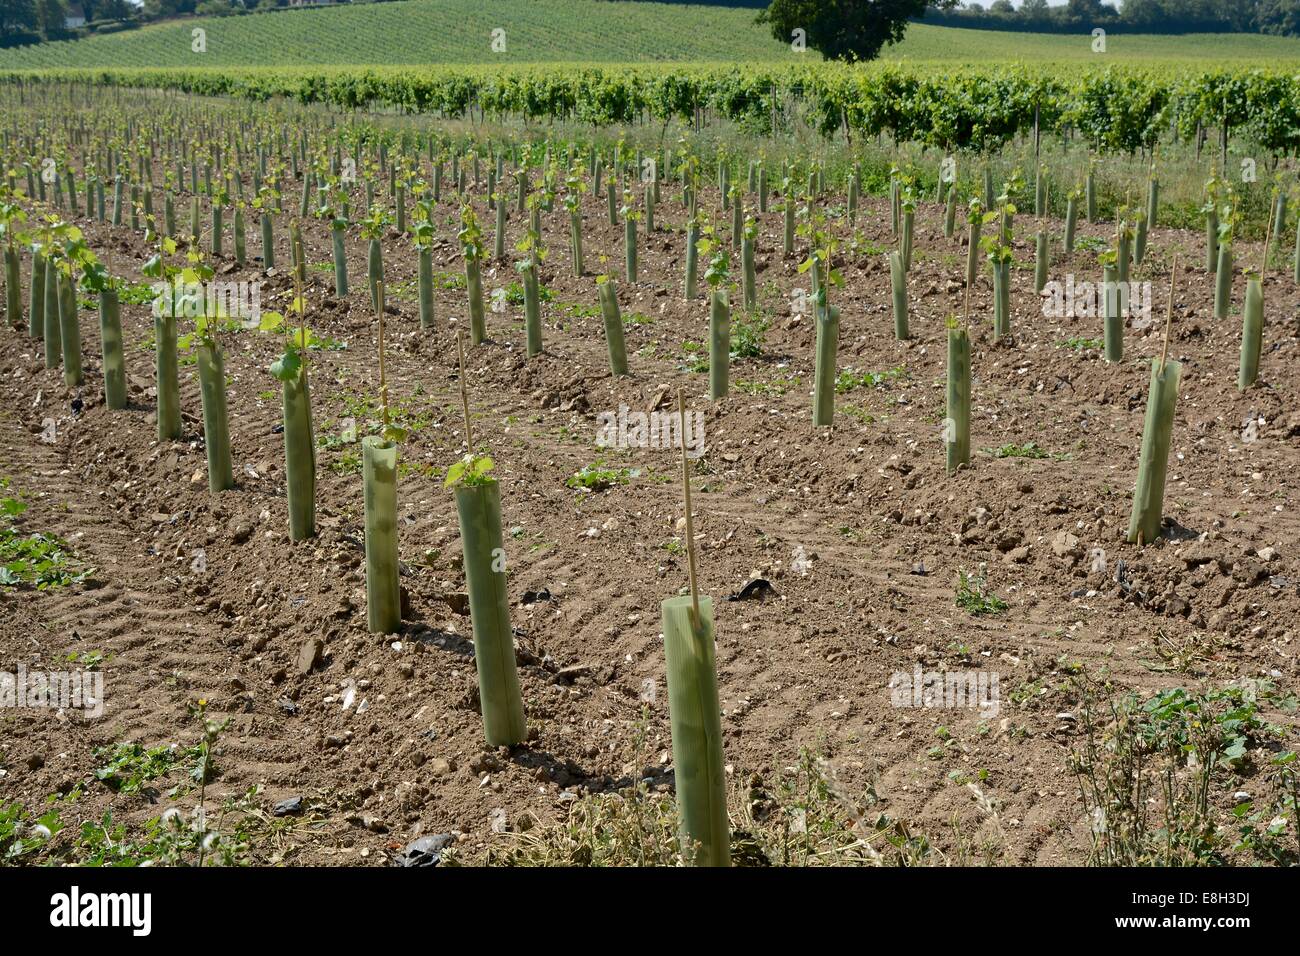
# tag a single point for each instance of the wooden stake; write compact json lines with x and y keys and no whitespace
{"x":966,"y":313}
{"x":464,"y":394}
{"x":1268,"y":237}
{"x":383,"y":378}
{"x":302,"y":318}
{"x":690,"y":524}
{"x":1169,"y":314}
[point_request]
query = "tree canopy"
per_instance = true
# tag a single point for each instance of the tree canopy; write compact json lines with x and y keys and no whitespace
{"x":845,"y":29}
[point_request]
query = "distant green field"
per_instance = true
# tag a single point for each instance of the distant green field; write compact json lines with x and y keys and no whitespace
{"x":428,"y":32}
{"x":536,"y":31}
{"x":925,"y":43}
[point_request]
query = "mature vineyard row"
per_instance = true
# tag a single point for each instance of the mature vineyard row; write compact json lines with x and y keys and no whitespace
{"x":972,"y":109}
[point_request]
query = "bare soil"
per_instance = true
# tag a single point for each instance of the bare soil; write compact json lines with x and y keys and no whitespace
{"x":858,"y":528}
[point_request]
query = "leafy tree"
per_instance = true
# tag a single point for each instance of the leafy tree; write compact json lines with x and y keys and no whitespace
{"x":156,"y":9}
{"x":113,"y":10}
{"x":17,"y":17}
{"x":1088,"y":12}
{"x":1147,"y":16}
{"x":846,"y":29}
{"x":1279,"y":16}
{"x":1144,"y":13}
{"x":51,"y":17}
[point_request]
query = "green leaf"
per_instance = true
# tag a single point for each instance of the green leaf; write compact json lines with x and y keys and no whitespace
{"x":454,"y":474}
{"x":288,"y":366}
{"x":470,"y":470}
{"x":270,"y":321}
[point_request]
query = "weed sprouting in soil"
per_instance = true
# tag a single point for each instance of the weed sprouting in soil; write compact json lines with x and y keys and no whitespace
{"x":974,"y":597}
{"x":32,"y":558}
{"x":1160,"y":777}
{"x":807,"y":818}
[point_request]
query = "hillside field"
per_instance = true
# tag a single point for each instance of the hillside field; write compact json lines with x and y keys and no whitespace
{"x":458,"y":31}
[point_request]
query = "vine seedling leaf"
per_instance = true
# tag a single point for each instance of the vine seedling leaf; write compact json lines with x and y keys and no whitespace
{"x":287,"y":366}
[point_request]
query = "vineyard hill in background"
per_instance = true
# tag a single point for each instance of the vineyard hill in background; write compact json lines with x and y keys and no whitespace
{"x":424,"y":32}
